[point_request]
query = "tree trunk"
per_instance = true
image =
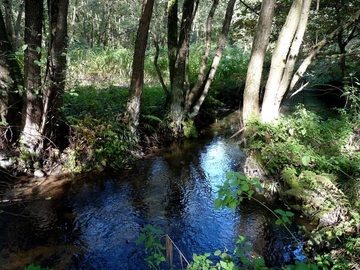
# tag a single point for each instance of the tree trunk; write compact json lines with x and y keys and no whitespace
{"x":9,"y":20}
{"x":194,"y":93}
{"x":251,"y":104}
{"x":176,"y":113}
{"x":215,"y":63}
{"x":10,"y":80}
{"x":56,"y":65}
{"x":293,"y":53}
{"x":172,"y":35}
{"x":137,"y":78}
{"x":17,"y":27}
{"x":271,"y":102}
{"x":31,"y":138}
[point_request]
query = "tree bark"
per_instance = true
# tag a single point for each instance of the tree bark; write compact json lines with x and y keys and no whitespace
{"x":271,"y":102}
{"x":17,"y":27}
{"x":137,"y":78}
{"x":9,"y":20}
{"x":293,"y":53}
{"x":31,"y":138}
{"x":172,"y":35}
{"x":10,"y":99}
{"x":176,"y":113}
{"x":251,"y":103}
{"x":56,"y":65}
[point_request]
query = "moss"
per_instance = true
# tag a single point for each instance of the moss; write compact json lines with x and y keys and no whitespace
{"x":288,"y":174}
{"x":316,"y":196}
{"x":190,"y":130}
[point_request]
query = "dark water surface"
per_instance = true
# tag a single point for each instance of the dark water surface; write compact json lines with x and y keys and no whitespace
{"x":96,"y":223}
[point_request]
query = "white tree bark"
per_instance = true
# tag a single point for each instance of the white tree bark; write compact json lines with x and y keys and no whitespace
{"x":271,"y":105}
{"x":254,"y":73}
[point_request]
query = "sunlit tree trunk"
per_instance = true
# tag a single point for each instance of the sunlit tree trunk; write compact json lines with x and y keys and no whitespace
{"x":251,"y":106}
{"x":10,"y":99}
{"x":137,"y":78}
{"x":290,"y":37}
{"x":31,"y":137}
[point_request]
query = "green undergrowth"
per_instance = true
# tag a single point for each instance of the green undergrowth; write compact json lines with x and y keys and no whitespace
{"x":315,"y":162}
{"x":99,"y":139}
{"x":305,"y":141}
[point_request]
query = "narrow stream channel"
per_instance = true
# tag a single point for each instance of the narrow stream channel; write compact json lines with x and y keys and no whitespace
{"x":96,"y":223}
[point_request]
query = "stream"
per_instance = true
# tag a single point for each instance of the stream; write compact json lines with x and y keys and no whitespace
{"x":96,"y":222}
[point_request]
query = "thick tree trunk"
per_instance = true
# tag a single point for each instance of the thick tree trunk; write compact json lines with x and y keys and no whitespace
{"x":56,"y":66}
{"x":272,"y":101}
{"x":176,"y":113}
{"x":31,"y":138}
{"x":251,"y":106}
{"x":10,"y":80}
{"x":137,"y":78}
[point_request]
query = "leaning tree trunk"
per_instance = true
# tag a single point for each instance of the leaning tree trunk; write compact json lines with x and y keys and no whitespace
{"x":216,"y":60}
{"x":10,"y":99}
{"x":251,"y":106}
{"x":137,"y":77}
{"x":31,"y":137}
{"x":271,"y":102}
{"x":194,"y":93}
{"x":56,"y":65}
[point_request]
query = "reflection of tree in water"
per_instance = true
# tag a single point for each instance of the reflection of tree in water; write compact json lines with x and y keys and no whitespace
{"x":36,"y":231}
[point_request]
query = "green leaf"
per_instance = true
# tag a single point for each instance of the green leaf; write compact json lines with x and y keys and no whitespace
{"x":218,"y":203}
{"x":217,"y":252}
{"x":232,"y":205}
{"x":141,"y":239}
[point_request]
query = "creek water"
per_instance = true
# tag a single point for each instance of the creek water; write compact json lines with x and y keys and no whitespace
{"x":95,"y":224}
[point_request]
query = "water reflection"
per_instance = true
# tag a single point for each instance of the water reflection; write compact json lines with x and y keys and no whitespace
{"x":100,"y":220}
